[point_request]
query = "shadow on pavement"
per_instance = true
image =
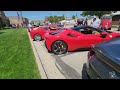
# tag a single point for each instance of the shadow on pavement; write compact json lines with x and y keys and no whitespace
{"x":72,"y":52}
{"x":66,"y":70}
{"x":81,"y":50}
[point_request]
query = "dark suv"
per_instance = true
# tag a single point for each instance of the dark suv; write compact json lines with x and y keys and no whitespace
{"x":103,"y":61}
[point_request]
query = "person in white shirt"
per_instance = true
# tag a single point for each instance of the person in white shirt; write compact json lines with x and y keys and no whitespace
{"x":30,"y":26}
{"x":96,"y":22}
{"x":89,"y":21}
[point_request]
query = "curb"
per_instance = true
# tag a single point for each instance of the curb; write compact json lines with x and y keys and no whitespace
{"x":39,"y":64}
{"x":45,"y":62}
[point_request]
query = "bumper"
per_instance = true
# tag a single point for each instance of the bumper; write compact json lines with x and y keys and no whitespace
{"x":48,"y":43}
{"x":84,"y":72}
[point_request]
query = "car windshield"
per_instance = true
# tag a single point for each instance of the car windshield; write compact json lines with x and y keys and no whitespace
{"x":85,"y":29}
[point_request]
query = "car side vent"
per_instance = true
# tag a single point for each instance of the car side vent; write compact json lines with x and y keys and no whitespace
{"x":56,"y":32}
{"x":71,"y":35}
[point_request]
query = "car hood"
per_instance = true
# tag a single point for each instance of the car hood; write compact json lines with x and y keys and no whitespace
{"x":110,"y":50}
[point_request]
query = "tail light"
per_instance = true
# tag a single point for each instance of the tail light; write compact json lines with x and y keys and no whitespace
{"x":90,"y":53}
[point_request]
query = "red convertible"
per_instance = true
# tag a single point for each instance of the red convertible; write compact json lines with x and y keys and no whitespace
{"x":74,"y":38}
{"x":38,"y":34}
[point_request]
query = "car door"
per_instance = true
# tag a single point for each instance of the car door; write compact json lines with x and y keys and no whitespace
{"x":90,"y":39}
{"x":75,"y":39}
{"x":43,"y":30}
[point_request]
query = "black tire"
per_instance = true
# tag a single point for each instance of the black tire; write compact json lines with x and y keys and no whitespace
{"x":49,"y":51}
{"x":59,"y":47}
{"x":37,"y":37}
{"x":84,"y":72}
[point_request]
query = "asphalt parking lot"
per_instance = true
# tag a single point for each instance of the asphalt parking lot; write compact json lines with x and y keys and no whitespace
{"x":69,"y":64}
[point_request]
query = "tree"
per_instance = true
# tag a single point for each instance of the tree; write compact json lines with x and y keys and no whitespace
{"x":98,"y":13}
{"x":32,"y":22}
{"x":76,"y":15}
{"x":63,"y":17}
{"x":73,"y":17}
{"x":1,"y":23}
{"x":53,"y":19}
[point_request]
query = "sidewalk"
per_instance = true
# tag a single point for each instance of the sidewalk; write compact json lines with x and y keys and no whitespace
{"x":46,"y":63}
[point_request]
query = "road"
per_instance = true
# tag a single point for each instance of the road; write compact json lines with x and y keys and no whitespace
{"x":70,"y":64}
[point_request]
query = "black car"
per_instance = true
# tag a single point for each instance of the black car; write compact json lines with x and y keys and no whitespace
{"x":103,"y":61}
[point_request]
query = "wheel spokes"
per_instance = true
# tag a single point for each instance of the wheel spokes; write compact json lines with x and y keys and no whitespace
{"x":59,"y":47}
{"x":37,"y":37}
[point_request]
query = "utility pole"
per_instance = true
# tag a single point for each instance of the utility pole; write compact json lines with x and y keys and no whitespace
{"x":65,"y":18}
{"x":21,"y":17}
{"x":18,"y":17}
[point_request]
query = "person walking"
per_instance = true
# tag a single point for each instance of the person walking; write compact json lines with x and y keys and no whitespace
{"x":79,"y":22}
{"x":85,"y":22}
{"x":29,"y":26}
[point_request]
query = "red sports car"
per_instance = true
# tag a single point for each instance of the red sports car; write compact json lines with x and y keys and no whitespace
{"x":74,"y":38}
{"x":38,"y":34}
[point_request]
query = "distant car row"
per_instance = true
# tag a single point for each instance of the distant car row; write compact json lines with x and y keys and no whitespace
{"x":103,"y":61}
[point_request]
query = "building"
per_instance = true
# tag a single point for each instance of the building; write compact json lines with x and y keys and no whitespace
{"x":36,"y":22}
{"x":18,"y":20}
{"x":4,"y":19}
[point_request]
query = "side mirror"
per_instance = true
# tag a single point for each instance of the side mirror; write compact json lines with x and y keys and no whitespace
{"x":103,"y":35}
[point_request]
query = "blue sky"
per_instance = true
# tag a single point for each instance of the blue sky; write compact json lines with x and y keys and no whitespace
{"x":40,"y":15}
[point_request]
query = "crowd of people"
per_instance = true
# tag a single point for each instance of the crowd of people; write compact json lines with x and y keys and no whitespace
{"x":96,"y":22}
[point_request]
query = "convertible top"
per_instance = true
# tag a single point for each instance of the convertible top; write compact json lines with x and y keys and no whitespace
{"x":80,"y":27}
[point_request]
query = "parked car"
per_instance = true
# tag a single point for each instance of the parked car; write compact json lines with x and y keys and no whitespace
{"x":37,"y":34}
{"x":103,"y":61}
{"x":70,"y":39}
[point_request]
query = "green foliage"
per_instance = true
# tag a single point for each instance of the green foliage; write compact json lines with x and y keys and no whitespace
{"x":53,"y":19}
{"x":63,"y":17}
{"x":98,"y":13}
{"x":1,"y":23}
{"x":73,"y":17}
{"x":17,"y":59}
{"x":32,"y":22}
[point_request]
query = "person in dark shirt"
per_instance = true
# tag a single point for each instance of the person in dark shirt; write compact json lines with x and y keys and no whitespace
{"x":79,"y":22}
{"x":85,"y":23}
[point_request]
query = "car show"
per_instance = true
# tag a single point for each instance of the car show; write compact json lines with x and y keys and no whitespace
{"x":75,"y":45}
